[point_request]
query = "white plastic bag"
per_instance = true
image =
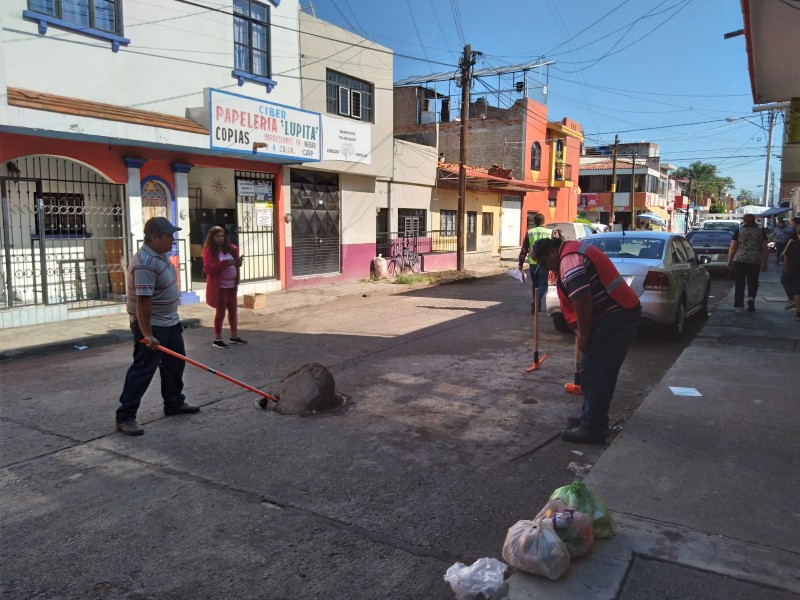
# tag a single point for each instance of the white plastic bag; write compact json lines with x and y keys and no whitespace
{"x":536,"y":548}
{"x":517,"y":274}
{"x":484,"y":576}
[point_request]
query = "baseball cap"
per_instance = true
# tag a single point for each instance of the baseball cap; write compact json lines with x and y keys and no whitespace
{"x":159,"y":225}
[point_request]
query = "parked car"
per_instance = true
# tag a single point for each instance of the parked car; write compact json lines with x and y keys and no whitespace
{"x":572,"y":231}
{"x":599,"y":227}
{"x":720,"y":226}
{"x":662,"y":269}
{"x":711,"y":247}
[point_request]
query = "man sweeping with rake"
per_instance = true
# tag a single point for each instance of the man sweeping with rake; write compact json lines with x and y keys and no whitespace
{"x":153,"y":299}
{"x":604,"y":312}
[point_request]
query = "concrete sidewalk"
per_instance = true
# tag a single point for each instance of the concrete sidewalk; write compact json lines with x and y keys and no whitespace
{"x":704,"y":489}
{"x":75,"y":334}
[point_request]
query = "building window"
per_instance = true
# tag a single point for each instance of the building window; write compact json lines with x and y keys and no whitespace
{"x":63,"y":214}
{"x":349,"y":97}
{"x":251,"y":37}
{"x":448,"y":222}
{"x":552,"y":202}
{"x":94,"y":14}
{"x":411,"y":222}
{"x":536,"y":156}
{"x":488,"y":224}
{"x":559,"y":151}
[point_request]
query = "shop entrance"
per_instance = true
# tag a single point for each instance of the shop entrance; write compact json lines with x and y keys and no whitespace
{"x":315,"y":205}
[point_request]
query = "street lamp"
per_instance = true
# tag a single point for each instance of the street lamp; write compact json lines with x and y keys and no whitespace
{"x":771,"y":118}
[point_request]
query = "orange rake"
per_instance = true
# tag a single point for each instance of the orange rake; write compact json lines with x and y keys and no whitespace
{"x":213,"y":371}
{"x":575,"y":388}
{"x":537,"y":362}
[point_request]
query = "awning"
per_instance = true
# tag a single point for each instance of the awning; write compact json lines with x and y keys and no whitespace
{"x":659,"y":211}
{"x":775,"y":210}
{"x":98,"y":110}
{"x":482,"y":181}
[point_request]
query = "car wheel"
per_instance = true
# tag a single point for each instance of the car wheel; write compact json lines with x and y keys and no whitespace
{"x":677,"y":327}
{"x":560,"y":323}
{"x":704,"y":307}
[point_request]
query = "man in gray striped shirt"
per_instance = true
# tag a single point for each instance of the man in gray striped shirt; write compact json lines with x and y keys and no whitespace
{"x":153,"y":299}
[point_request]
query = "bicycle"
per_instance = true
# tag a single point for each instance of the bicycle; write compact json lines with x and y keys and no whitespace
{"x":404,"y":261}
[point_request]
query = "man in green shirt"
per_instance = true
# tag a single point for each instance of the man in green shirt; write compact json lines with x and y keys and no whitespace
{"x":538,"y":275}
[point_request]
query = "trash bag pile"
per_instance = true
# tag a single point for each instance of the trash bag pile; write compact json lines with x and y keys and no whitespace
{"x":564,"y":529}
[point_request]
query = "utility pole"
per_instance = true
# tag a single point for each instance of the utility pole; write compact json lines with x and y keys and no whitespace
{"x":771,"y":122}
{"x":613,"y":179}
{"x":465,"y":64}
{"x":633,"y":191}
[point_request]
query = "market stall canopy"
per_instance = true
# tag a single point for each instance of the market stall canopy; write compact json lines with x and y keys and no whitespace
{"x":775,"y":210}
{"x":653,"y":218}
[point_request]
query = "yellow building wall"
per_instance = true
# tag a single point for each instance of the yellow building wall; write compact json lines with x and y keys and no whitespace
{"x":479,"y":202}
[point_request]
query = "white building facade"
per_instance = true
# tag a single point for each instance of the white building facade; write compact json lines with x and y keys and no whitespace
{"x":112,"y":112}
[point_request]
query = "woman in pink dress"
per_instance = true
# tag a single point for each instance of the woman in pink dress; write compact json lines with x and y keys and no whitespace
{"x":221,"y":263}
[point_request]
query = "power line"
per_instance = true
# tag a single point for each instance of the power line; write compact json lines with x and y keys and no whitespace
{"x":324,"y":37}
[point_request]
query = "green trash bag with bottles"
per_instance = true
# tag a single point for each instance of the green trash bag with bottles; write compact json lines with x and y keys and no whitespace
{"x":579,"y":496}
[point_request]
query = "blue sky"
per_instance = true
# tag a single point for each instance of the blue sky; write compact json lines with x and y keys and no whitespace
{"x":654,"y":70}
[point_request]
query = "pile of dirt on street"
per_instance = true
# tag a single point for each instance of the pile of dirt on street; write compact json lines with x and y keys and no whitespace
{"x":451,"y":276}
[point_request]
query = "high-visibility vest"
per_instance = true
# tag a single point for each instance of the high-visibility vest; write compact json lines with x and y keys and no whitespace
{"x":619,"y":291}
{"x":535,"y":234}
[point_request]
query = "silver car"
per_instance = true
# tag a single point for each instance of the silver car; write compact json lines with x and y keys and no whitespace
{"x":662,"y":269}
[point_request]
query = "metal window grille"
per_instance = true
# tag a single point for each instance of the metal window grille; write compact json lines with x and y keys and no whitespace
{"x":488,"y":224}
{"x":348,"y":96}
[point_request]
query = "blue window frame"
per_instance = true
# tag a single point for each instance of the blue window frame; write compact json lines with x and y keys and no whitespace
{"x":101,"y":19}
{"x":251,"y":37}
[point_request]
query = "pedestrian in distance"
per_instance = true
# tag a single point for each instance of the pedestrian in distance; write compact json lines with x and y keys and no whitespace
{"x":790,"y":277}
{"x":537,"y":275}
{"x":152,"y":302}
{"x":780,"y":236}
{"x":747,"y":256}
{"x":222,"y":263}
{"x":604,"y":312}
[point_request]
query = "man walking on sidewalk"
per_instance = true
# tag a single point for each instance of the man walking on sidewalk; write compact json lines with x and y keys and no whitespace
{"x":604,"y":312}
{"x":153,"y":299}
{"x":747,"y":256}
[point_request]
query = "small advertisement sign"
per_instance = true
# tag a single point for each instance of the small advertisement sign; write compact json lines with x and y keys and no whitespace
{"x":250,"y":126}
{"x":588,"y":201}
{"x":264,"y":214}
{"x":346,"y":140}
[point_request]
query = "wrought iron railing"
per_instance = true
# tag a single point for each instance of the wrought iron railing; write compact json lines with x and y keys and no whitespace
{"x":425,"y":242}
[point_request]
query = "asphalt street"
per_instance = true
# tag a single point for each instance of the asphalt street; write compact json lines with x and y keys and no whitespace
{"x":443,"y":444}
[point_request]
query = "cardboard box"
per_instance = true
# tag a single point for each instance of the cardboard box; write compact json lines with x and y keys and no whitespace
{"x":255,"y":300}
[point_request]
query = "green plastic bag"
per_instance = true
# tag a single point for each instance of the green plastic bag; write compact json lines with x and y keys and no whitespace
{"x":578,"y":496}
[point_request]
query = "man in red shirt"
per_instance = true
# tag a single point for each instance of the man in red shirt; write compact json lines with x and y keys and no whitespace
{"x":604,"y":312}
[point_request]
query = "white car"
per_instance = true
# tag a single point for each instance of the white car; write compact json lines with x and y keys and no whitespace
{"x":662,"y":269}
{"x":571,"y":231}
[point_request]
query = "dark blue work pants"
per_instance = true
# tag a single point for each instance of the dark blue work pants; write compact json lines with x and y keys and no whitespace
{"x":145,"y":363}
{"x":609,"y":340}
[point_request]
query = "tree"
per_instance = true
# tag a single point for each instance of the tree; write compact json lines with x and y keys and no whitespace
{"x":717,"y":207}
{"x":704,"y":181}
{"x":746,"y":197}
